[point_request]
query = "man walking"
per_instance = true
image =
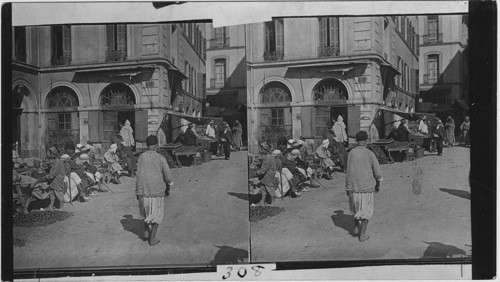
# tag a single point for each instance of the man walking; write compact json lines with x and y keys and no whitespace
{"x":362,"y":167}
{"x":226,"y":139}
{"x":153,"y":179}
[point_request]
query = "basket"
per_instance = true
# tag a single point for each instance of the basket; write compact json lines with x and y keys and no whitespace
{"x":207,"y":156}
{"x":419,"y":152}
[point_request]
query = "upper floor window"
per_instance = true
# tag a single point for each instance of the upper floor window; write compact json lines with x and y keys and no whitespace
{"x":116,"y":42}
{"x":219,"y":38}
{"x":432,"y":68}
{"x":329,"y":37}
{"x":275,"y":41}
{"x":20,"y":43}
{"x":220,"y":73}
{"x":433,"y":27}
{"x":61,"y":45}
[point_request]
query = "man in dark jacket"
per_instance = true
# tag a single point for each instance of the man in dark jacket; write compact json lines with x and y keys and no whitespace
{"x":226,"y":139}
{"x":267,"y":173}
{"x":439,"y":136}
{"x":190,"y":138}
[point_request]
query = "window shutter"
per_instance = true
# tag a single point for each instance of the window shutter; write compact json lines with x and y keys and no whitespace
{"x":334,"y":32}
{"x":322,"y":32}
{"x":141,"y":125}
{"x":121,"y":37}
{"x":94,"y":126}
{"x":54,"y":41}
{"x":353,"y":120}
{"x":280,"y":36}
{"x":267,"y":35}
{"x":110,"y":38}
{"x":66,"y":40}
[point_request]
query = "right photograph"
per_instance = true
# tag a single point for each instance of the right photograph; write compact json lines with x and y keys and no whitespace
{"x":358,"y":138}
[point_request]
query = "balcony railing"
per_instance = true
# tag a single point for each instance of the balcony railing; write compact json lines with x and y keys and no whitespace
{"x":20,"y":56}
{"x":115,"y":56}
{"x":429,"y":39}
{"x":328,"y":51}
{"x":60,"y":60}
{"x":218,"y":84}
{"x":274,"y":55}
{"x":219,"y":42}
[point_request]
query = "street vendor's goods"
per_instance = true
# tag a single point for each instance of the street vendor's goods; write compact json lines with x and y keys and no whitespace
{"x":37,"y":218}
{"x":260,"y":212}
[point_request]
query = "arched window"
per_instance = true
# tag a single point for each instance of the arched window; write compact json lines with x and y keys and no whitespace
{"x":63,"y":118}
{"x":329,"y":89}
{"x":276,"y":122}
{"x":118,"y":102}
{"x":117,"y":94}
{"x":333,"y":91}
{"x":275,"y":92}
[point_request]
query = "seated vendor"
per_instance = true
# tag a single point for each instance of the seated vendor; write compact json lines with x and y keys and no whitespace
{"x":112,"y":159}
{"x":191,"y":138}
{"x":286,"y":164}
{"x":403,"y":133}
{"x":37,"y":171}
{"x":36,"y":191}
{"x":324,"y":155}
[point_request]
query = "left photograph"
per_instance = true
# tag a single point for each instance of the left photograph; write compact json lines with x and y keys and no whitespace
{"x":124,"y":153}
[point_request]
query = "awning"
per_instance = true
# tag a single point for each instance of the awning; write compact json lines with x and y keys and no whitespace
{"x":461,"y":104}
{"x":116,"y":70}
{"x":195,"y":120}
{"x":339,"y":69}
{"x":388,"y":68}
{"x":405,"y":115}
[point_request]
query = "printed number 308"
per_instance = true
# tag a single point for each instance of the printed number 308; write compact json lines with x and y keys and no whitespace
{"x":242,"y":272}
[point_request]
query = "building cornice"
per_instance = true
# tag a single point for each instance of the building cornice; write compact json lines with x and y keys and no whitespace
{"x":443,"y":44}
{"x":97,"y":66}
{"x":319,"y":61}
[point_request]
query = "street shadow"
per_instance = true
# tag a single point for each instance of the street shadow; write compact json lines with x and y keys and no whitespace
{"x":438,"y":250}
{"x":343,"y":221}
{"x":242,"y":196}
{"x":459,"y":193}
{"x":133,"y":225}
{"x":229,"y":255}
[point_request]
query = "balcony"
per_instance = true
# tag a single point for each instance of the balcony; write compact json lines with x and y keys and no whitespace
{"x":216,"y":43}
{"x":60,"y":60}
{"x":274,"y":55}
{"x":430,"y":39}
{"x":20,"y":56}
{"x":219,"y":84}
{"x":328,"y":51}
{"x":116,"y":56}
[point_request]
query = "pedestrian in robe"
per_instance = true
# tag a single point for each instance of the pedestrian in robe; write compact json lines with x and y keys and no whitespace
{"x":226,"y":139}
{"x":465,"y":130}
{"x":237,"y":132}
{"x":363,"y":179}
{"x":422,"y":126}
{"x":439,"y":136}
{"x":190,"y":136}
{"x":323,"y":153}
{"x":153,"y":180}
{"x":210,"y":132}
{"x":112,"y":159}
{"x":450,"y":131}
{"x":267,"y":173}
{"x":339,"y":129}
{"x":57,"y":176}
{"x":126,"y":132}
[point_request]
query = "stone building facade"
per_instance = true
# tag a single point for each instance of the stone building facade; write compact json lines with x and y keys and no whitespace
{"x":80,"y":82}
{"x":304,"y":72}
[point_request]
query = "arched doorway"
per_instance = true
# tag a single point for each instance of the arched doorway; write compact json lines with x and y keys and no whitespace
{"x":276,"y":113}
{"x":62,"y":117}
{"x":117,"y":102}
{"x":330,"y":102}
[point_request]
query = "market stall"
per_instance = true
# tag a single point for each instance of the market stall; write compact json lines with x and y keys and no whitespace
{"x":383,"y":136}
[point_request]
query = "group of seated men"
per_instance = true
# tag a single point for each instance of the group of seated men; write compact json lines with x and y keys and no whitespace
{"x":71,"y":176}
{"x":292,"y":165}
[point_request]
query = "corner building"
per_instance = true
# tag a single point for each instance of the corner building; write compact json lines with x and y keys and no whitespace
{"x":80,"y":82}
{"x":303,"y":72}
